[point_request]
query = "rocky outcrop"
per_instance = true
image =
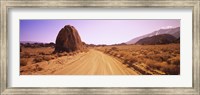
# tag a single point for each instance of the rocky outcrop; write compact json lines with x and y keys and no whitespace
{"x":68,"y":40}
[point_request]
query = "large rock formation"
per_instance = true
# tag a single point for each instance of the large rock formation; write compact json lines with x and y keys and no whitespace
{"x":68,"y":40}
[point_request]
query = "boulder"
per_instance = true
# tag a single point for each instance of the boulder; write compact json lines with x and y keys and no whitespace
{"x":68,"y":40}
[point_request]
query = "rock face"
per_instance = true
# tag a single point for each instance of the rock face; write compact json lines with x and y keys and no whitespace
{"x":68,"y":40}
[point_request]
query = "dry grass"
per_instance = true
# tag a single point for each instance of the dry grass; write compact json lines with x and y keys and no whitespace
{"x":32,"y":59}
{"x":48,"y":57}
{"x":23,"y":62}
{"x":25,"y":54}
{"x":174,"y":60}
{"x":164,"y":58}
{"x":146,"y":59}
{"x":43,"y":54}
{"x":38,"y":59}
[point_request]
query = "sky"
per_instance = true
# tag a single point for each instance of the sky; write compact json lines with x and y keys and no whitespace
{"x":93,"y":31}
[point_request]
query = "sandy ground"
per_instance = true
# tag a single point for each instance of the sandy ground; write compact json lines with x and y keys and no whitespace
{"x":91,"y":63}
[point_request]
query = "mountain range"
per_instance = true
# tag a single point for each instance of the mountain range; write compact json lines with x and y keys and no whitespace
{"x":157,"y":39}
{"x":30,"y":42}
{"x":172,"y":31}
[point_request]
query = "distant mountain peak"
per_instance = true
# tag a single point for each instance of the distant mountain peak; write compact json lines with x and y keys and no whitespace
{"x":174,"y":31}
{"x":30,"y":42}
{"x":157,"y":39}
{"x":167,"y":27}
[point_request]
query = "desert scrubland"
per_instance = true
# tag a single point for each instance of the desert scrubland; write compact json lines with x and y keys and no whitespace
{"x":100,"y":60}
{"x":147,"y":59}
{"x":156,"y":53}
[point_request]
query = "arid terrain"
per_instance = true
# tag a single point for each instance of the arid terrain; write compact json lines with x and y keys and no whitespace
{"x":157,"y":53}
{"x":103,"y":60}
{"x":147,"y":59}
{"x":90,"y":62}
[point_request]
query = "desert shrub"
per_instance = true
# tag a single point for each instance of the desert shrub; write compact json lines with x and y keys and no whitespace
{"x":66,"y":54}
{"x":70,"y":54}
{"x":171,"y":69}
{"x":176,"y":51}
{"x":38,"y":59}
{"x":156,"y":65}
{"x":130,"y":62}
{"x":164,"y":66}
{"x":78,"y":51}
{"x":150,"y":53}
{"x":75,"y":52}
{"x":41,"y":53}
{"x":141,"y":58}
{"x":115,"y":54}
{"x":152,"y":63}
{"x":144,"y":52}
{"x":138,"y":59}
{"x":133,"y":59}
{"x":174,"y":60}
{"x":114,"y":48}
{"x":23,"y":62}
{"x":25,"y":54}
{"x":33,"y":54}
{"x":47,"y":58}
{"x":134,"y":54}
{"x":173,"y":55}
{"x":127,"y":61}
{"x":123,"y":54}
{"x":164,"y":57}
{"x":53,"y":57}
{"x":164,"y":50}
{"x":59,"y":54}
{"x":159,"y":57}
{"x":38,"y":68}
{"x":62,"y":54}
{"x":156,"y":58}
{"x":156,"y":52}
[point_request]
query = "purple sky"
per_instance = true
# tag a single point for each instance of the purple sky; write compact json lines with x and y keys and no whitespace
{"x":92,"y":31}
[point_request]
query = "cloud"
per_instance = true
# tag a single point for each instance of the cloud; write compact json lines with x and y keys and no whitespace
{"x":167,"y":27}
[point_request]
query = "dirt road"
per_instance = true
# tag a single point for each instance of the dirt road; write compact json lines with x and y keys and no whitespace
{"x":92,"y":62}
{"x":95,"y":63}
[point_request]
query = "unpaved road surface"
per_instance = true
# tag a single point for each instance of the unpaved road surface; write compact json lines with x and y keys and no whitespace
{"x":95,"y":63}
{"x":91,"y":63}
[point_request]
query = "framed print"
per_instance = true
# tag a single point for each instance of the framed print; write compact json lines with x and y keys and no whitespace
{"x":100,"y":47}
